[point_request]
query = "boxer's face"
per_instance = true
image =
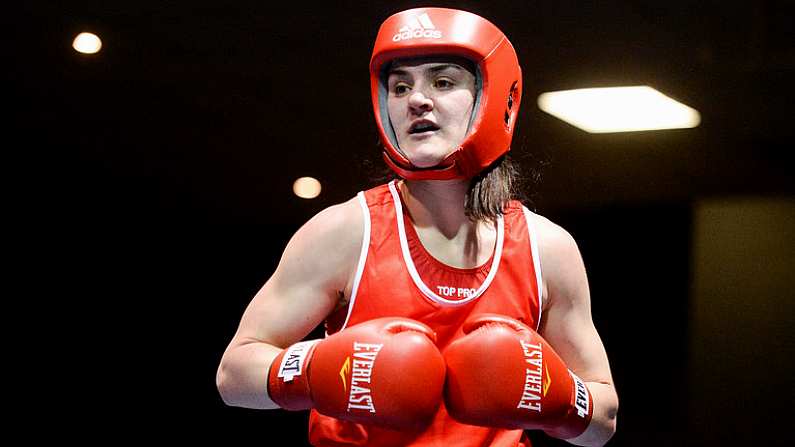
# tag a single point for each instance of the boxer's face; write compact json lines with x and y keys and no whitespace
{"x":430,"y":103}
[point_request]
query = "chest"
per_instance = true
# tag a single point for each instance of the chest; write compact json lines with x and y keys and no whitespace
{"x":467,"y":248}
{"x":453,"y":281}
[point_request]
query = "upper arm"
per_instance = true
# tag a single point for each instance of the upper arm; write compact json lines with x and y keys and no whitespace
{"x":312,"y":275}
{"x":566,"y":321}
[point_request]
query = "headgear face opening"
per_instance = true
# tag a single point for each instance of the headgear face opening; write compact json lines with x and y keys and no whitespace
{"x":423,"y":32}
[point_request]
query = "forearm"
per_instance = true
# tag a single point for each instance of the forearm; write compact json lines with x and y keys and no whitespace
{"x":242,"y":377}
{"x":603,"y":421}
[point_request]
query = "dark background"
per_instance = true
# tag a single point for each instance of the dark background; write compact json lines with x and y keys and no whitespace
{"x":149,"y":189}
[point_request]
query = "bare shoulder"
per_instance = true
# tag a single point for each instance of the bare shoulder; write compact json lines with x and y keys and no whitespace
{"x":563,"y":272}
{"x":332,"y":237}
{"x":554,"y":241}
{"x":338,"y":223}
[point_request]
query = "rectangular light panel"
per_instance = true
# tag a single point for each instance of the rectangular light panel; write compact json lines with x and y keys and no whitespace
{"x":618,"y":109}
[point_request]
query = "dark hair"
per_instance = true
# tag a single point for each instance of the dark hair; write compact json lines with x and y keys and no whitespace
{"x":491,"y":190}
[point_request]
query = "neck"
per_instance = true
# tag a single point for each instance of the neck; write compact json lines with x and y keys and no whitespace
{"x":439,"y":204}
{"x":437,"y":212}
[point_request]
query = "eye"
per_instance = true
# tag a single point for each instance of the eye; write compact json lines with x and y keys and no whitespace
{"x":443,"y":83}
{"x":400,"y":89}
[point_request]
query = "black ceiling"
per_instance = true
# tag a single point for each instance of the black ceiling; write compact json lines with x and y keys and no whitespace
{"x":212,"y":109}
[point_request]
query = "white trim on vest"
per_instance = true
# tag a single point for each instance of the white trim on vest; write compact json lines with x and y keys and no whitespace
{"x":528,"y":217}
{"x":413,"y":270}
{"x":362,"y":257}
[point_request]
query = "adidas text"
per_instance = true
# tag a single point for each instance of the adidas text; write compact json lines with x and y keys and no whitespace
{"x":416,"y":34}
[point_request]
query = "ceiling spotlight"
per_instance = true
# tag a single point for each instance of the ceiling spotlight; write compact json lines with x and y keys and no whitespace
{"x":306,"y":188}
{"x":618,"y":109}
{"x":87,"y":43}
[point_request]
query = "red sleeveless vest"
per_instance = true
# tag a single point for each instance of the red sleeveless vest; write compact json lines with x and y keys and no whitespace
{"x":397,"y":277}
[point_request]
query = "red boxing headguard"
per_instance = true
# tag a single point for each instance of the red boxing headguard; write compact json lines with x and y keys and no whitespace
{"x":424,"y":32}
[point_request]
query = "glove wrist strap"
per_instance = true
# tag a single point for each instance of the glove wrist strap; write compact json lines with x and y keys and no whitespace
{"x":288,"y":377}
{"x":580,"y":412}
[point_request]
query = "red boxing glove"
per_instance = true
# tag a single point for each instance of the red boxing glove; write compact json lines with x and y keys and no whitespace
{"x":503,"y":374}
{"x":384,"y":372}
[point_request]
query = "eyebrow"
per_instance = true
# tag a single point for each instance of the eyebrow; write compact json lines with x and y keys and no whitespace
{"x":433,"y":70}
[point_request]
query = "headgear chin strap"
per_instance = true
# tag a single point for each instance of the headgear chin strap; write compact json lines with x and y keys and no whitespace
{"x":448,"y":32}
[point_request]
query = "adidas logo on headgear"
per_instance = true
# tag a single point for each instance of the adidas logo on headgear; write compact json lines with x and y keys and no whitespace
{"x":418,"y":27}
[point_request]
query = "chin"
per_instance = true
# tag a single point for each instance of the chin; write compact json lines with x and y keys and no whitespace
{"x":426,"y":162}
{"x":426,"y":157}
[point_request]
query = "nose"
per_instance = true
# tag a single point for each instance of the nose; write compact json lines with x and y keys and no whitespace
{"x":419,"y":103}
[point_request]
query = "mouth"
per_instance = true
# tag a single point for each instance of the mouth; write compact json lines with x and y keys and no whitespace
{"x":423,"y":127}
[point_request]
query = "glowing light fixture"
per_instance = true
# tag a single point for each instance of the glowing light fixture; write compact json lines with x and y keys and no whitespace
{"x":306,"y":188}
{"x":87,"y":43}
{"x":618,"y":109}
